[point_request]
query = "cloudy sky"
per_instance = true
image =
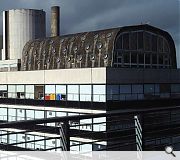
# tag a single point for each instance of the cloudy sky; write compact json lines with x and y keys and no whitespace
{"x":86,"y":15}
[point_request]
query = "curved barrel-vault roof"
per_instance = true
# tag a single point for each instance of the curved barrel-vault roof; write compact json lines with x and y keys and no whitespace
{"x":81,"y":50}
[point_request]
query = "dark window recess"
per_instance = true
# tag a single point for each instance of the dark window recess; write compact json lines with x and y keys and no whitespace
{"x":166,"y":46}
{"x":38,"y":92}
{"x":154,"y":59}
{"x":160,"y":44}
{"x":133,"y":41}
{"x":161,"y":59}
{"x":119,"y":43}
{"x":147,"y":39}
{"x":147,"y":59}
{"x":140,"y":40}
{"x":154,"y":43}
{"x":126,"y":41}
{"x":166,"y":60}
{"x":119,"y":60}
{"x":165,"y":88}
{"x":127,"y":58}
{"x":134,"y":58}
{"x":141,"y":58}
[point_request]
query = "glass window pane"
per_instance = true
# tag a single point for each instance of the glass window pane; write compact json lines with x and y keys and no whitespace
{"x":125,"y":88}
{"x":3,"y":91}
{"x":11,"y":114}
{"x":140,"y":40}
{"x":175,"y":88}
{"x":113,"y":92}
{"x":154,"y":43}
{"x":73,"y":92}
{"x":137,"y":88}
{"x":134,"y":57}
{"x":49,"y":89}
{"x":39,"y":92}
{"x":3,"y":87}
{"x":85,"y":93}
{"x":3,"y":115}
{"x":11,"y":91}
{"x":133,"y":41}
{"x":99,"y":92}
{"x":149,"y":88}
{"x":141,"y":58}
{"x":39,"y":114}
{"x":20,"y":114}
{"x":30,"y":114}
{"x":20,"y":88}
{"x":29,"y":91}
{"x":60,"y":92}
{"x":126,"y":41}
{"x":165,"y":88}
{"x":147,"y":40}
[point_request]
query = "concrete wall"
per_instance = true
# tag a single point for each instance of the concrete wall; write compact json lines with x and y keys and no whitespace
{"x":91,"y":76}
{"x":62,"y":76}
{"x":20,"y":26}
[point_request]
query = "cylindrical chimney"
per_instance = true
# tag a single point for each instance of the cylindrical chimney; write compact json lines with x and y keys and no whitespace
{"x":55,"y":21}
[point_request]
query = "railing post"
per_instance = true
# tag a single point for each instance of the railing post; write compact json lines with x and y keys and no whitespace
{"x":64,"y":135}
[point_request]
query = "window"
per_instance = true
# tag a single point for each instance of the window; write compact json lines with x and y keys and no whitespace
{"x":137,"y":88}
{"x":3,"y":115}
{"x":148,"y":88}
{"x":39,"y":114}
{"x":175,"y":88}
{"x":20,"y":89}
{"x":140,"y":40}
{"x":73,"y":92}
{"x":147,"y":59}
{"x":3,"y":91}
{"x":160,"y":59}
{"x":141,"y":58}
{"x":29,"y":91}
{"x":127,"y":58}
{"x":119,"y":43}
{"x":160,"y":44}
{"x":165,"y":88}
{"x":154,"y":43}
{"x":30,"y":114}
{"x":125,"y":89}
{"x":147,"y":39}
{"x":11,"y":114}
{"x":133,"y":41}
{"x":112,"y":92}
{"x":39,"y":92}
{"x":85,"y":93}
{"x":154,"y":58}
{"x":126,"y":41}
{"x":134,"y":57}
{"x":99,"y":93}
{"x":50,"y":92}
{"x":20,"y":114}
{"x":11,"y":91}
{"x":60,"y":92}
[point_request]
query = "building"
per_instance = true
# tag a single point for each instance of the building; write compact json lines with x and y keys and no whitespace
{"x":32,"y":24}
{"x":125,"y":69}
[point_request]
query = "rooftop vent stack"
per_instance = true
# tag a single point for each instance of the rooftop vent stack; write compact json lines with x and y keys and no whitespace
{"x":55,"y":21}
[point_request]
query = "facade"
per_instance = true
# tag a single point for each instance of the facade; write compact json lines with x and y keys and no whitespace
{"x":92,"y":73}
{"x":20,"y":26}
